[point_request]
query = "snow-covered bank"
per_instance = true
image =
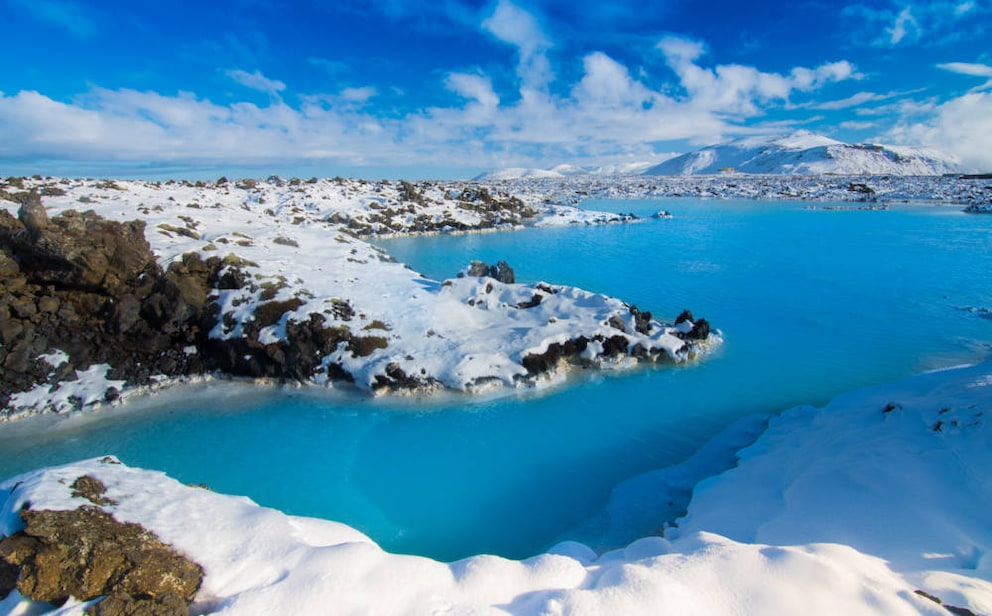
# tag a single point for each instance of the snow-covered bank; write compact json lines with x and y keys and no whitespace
{"x":879,"y":503}
{"x":298,"y":292}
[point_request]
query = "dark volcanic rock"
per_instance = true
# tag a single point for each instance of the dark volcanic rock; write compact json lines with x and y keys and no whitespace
{"x":501,"y":271}
{"x":81,"y":250}
{"x":91,"y":287}
{"x":684,"y":316}
{"x":85,"y":553}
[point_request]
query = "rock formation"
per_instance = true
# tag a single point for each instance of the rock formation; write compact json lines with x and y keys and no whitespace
{"x":86,"y":554}
{"x":91,"y":288}
{"x":501,"y":271}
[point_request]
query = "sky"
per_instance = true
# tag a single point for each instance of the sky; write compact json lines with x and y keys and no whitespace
{"x":446,"y":89}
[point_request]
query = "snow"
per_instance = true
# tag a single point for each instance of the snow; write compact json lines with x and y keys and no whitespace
{"x":296,"y":240}
{"x":90,"y":386}
{"x":807,"y":153}
{"x":851,"y":509}
{"x":565,"y":170}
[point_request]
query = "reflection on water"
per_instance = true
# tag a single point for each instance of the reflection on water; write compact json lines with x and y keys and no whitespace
{"x":811,"y":302}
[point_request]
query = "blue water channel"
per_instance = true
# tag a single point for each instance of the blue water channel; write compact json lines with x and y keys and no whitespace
{"x":812,"y":302}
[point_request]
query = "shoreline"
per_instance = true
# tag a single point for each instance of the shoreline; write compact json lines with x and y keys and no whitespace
{"x":805,"y":543}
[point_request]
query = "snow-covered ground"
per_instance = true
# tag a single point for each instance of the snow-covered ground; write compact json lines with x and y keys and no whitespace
{"x":951,"y":191}
{"x":301,"y":244}
{"x":878,"y":503}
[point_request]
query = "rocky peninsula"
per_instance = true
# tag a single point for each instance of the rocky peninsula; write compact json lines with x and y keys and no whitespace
{"x":111,"y":286}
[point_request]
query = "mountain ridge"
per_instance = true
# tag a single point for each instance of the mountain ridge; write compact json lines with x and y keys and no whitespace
{"x":799,"y":153}
{"x":807,"y":153}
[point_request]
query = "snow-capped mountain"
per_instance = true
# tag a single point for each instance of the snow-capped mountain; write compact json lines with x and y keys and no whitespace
{"x":807,"y":153}
{"x":564,"y":171}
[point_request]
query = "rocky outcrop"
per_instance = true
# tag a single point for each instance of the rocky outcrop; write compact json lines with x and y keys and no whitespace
{"x":78,"y":290}
{"x":413,"y":210}
{"x":91,"y":288}
{"x":86,"y":554}
{"x":501,"y":271}
{"x":700,"y":329}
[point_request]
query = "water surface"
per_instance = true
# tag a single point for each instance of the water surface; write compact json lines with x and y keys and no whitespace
{"x":812,"y":302}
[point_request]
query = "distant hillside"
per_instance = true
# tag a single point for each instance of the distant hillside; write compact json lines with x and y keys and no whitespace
{"x":563,"y":171}
{"x":806,"y":153}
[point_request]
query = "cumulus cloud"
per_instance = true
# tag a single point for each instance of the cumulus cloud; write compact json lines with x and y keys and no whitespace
{"x":738,"y":89}
{"x":256,"y":81}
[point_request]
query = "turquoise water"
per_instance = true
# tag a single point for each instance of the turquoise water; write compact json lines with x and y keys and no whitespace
{"x":812,"y":303}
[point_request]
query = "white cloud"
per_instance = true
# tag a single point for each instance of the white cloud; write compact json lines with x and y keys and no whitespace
{"x":966,"y":68}
{"x":855,"y":100}
{"x":972,"y":70}
{"x":607,"y":115}
{"x":904,"y":25}
{"x":910,"y":22}
{"x":473,"y":87}
{"x":961,"y":127}
{"x":607,"y":83}
{"x":855,"y":125}
{"x":256,"y":81}
{"x":511,"y":24}
{"x":963,"y":8}
{"x":738,"y":89}
{"x":358,"y":95}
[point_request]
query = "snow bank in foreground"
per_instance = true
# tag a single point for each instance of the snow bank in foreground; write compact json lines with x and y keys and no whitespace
{"x":849,"y":509}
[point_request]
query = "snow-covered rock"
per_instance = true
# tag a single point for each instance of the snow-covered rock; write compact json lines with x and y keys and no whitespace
{"x":806,"y":153}
{"x":301,"y":295}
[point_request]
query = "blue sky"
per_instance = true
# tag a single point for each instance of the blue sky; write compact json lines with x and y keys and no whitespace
{"x":448,"y":89}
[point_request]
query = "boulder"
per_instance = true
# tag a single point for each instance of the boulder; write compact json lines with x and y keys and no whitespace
{"x":86,"y":554}
{"x":501,"y":271}
{"x":33,"y":215}
{"x":82,"y":250}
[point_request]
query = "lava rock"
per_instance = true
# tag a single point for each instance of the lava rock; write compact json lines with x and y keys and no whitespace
{"x":85,"y":553}
{"x":501,"y":271}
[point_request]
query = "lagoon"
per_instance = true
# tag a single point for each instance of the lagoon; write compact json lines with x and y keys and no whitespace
{"x":812,"y":303}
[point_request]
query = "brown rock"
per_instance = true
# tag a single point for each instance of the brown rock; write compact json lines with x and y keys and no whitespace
{"x":83,"y":250}
{"x":8,"y":266}
{"x":32,"y":215}
{"x":85,"y":553}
